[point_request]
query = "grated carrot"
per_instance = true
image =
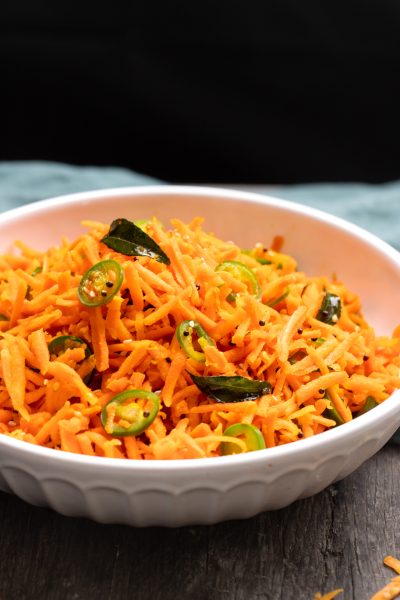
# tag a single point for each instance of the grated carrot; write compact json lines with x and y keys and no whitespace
{"x":329,"y":595}
{"x":310,"y":365}
{"x":98,"y":329}
{"x":393,"y":563}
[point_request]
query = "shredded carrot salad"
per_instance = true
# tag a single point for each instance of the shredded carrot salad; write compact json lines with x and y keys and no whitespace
{"x":259,"y":318}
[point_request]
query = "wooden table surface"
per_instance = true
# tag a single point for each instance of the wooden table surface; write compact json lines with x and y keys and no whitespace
{"x":335,"y":539}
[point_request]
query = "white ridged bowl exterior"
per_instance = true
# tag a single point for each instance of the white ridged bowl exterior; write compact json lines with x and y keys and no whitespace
{"x":205,"y":491}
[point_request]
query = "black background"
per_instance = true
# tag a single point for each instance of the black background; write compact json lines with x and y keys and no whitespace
{"x":260,"y":92}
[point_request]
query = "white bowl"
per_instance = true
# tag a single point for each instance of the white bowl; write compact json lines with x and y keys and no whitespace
{"x":199,"y":491}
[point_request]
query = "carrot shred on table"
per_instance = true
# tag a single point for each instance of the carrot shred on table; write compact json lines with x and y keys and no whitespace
{"x":393,"y":563}
{"x":329,"y":595}
{"x":390,"y":591}
{"x":130,"y":342}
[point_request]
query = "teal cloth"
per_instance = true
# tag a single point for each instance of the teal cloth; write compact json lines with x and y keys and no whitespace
{"x":373,"y":207}
{"x":22,"y":182}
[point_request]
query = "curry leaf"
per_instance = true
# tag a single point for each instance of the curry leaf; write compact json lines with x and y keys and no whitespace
{"x":330,"y":310}
{"x":224,"y":388}
{"x":127,"y":238}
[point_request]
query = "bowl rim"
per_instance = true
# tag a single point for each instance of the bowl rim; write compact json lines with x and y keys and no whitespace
{"x":269,"y":455}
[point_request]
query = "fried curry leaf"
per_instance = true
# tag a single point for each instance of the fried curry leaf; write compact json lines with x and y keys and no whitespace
{"x":224,"y":388}
{"x":127,"y":238}
{"x":330,"y":310}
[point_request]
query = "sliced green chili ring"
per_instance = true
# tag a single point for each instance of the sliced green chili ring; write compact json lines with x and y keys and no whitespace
{"x":296,"y":357}
{"x":243,"y":273}
{"x":250,"y":434}
{"x":279,"y":299}
{"x":186,"y":338}
{"x":331,"y":413}
{"x":62,"y":343}
{"x":259,"y":259}
{"x":263,"y":261}
{"x":141,"y":223}
{"x":330,"y":310}
{"x":138,"y":416}
{"x":369,"y":404}
{"x":100,"y":283}
{"x":36,"y":271}
{"x":3,"y":317}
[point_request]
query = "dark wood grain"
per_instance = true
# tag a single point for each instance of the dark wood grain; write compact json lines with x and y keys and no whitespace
{"x":336,"y":539}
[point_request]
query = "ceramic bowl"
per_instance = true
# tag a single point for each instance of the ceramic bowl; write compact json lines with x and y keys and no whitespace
{"x":174,"y":493}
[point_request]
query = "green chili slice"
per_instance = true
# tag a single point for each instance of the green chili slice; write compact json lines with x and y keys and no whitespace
{"x":239,"y":271}
{"x":279,"y":299}
{"x":100,"y":283}
{"x":253,"y":253}
{"x":62,"y":343}
{"x":330,"y":310}
{"x":331,"y":413}
{"x":130,"y":239}
{"x":190,"y":333}
{"x":3,"y":317}
{"x":223,"y":388}
{"x":250,"y":434}
{"x":141,"y":223}
{"x":369,"y":404}
{"x":130,"y":413}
